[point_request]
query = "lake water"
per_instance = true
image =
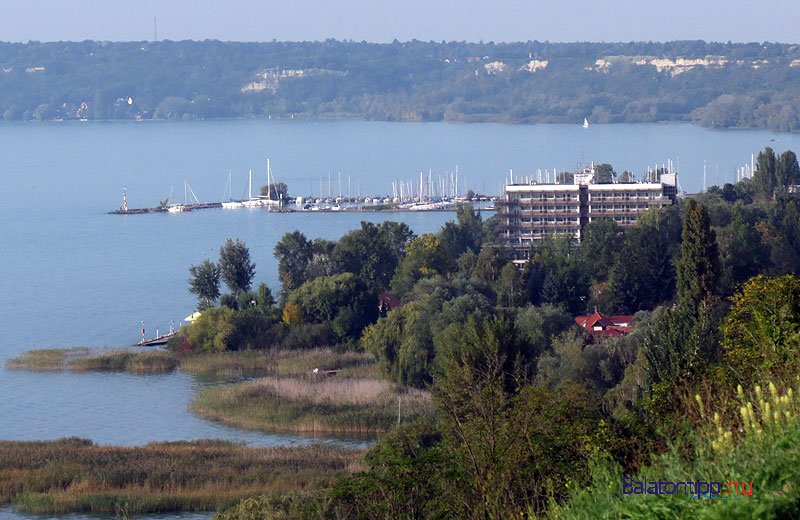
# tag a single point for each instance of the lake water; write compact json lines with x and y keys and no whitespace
{"x":71,"y":275}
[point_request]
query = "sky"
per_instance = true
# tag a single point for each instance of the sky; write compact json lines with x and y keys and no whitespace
{"x":386,"y":20}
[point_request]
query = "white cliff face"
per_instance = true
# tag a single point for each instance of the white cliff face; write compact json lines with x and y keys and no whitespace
{"x":535,"y":65}
{"x":673,"y":67}
{"x":270,"y":79}
{"x":494,"y":67}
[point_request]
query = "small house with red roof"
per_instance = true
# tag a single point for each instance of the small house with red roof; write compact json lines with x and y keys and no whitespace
{"x":388,"y":301}
{"x":601,"y":325}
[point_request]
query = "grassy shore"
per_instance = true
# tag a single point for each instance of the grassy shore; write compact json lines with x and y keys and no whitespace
{"x":224,"y":364}
{"x":316,"y":404}
{"x":85,"y":359}
{"x":281,"y":363}
{"x":73,"y":475}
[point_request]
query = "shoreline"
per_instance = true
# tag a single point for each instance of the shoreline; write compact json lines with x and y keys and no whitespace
{"x":494,"y":120}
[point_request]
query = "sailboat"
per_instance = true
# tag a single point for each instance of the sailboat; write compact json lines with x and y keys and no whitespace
{"x":251,"y":202}
{"x":268,"y":200}
{"x":230,"y":203}
{"x":188,"y":198}
{"x":585,"y":123}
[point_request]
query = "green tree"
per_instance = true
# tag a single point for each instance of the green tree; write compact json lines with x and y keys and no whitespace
{"x":235,"y":266}
{"x":761,"y":334}
{"x":604,"y":173}
{"x":204,"y":283}
{"x":626,"y":176}
{"x":599,"y":247}
{"x":764,"y":176}
{"x":408,"y":476}
{"x":402,"y":343}
{"x":644,"y":276}
{"x":787,"y":172}
{"x":372,"y":252}
{"x":514,"y":446}
{"x":294,"y":252}
{"x":265,"y":300}
{"x":465,"y":234}
{"x":786,"y":249}
{"x":555,"y":275}
{"x":478,"y":398}
{"x":276,"y":191}
{"x":321,"y":299}
{"x":509,"y":286}
{"x":742,"y":254}
{"x":538,"y":326}
{"x":213,"y":331}
{"x":425,"y":256}
{"x":698,"y":267}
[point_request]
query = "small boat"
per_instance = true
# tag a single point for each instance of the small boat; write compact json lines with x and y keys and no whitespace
{"x":585,"y":123}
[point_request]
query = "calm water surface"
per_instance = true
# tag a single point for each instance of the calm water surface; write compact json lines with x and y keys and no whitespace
{"x":71,"y":275}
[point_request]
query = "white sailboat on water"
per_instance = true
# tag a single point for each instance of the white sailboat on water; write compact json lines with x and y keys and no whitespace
{"x":251,"y":202}
{"x":189,"y":198}
{"x":268,"y":200}
{"x":585,"y":123}
{"x":230,"y":203}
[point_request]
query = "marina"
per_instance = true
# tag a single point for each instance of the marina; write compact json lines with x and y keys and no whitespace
{"x":429,"y":194}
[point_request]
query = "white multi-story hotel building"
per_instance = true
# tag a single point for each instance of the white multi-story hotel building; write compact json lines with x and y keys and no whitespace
{"x":530,"y":211}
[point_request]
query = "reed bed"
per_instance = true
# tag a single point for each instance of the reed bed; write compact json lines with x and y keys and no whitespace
{"x":85,"y":359}
{"x":237,"y":363}
{"x":73,"y":475}
{"x":42,"y":360}
{"x":276,"y":362}
{"x":317,"y":404}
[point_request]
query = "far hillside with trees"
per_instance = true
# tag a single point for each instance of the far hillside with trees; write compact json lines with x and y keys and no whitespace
{"x":721,"y":85}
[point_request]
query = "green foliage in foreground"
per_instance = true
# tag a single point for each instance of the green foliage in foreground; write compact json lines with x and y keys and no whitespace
{"x":768,"y":456}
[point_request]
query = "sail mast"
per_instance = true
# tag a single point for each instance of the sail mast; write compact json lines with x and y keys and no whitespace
{"x":269,"y":186}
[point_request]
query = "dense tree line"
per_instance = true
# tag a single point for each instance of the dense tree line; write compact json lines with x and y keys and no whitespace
{"x":527,"y":400}
{"x":743,"y":85}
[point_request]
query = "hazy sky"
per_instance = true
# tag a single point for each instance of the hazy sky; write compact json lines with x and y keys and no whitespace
{"x":385,"y":20}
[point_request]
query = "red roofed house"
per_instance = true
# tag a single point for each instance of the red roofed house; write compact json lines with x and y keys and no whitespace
{"x":601,"y":325}
{"x":388,"y":301}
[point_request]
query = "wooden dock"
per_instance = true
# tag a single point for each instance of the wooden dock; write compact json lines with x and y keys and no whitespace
{"x":158,"y":340}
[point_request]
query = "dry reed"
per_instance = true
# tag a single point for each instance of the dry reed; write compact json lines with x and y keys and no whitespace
{"x":73,"y":475}
{"x":316,"y":404}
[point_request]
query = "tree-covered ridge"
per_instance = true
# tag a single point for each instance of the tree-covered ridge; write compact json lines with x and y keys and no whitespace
{"x":713,"y":84}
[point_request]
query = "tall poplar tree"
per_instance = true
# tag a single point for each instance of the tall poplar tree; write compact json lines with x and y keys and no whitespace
{"x":698,"y":267}
{"x":204,"y":283}
{"x":235,"y":266}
